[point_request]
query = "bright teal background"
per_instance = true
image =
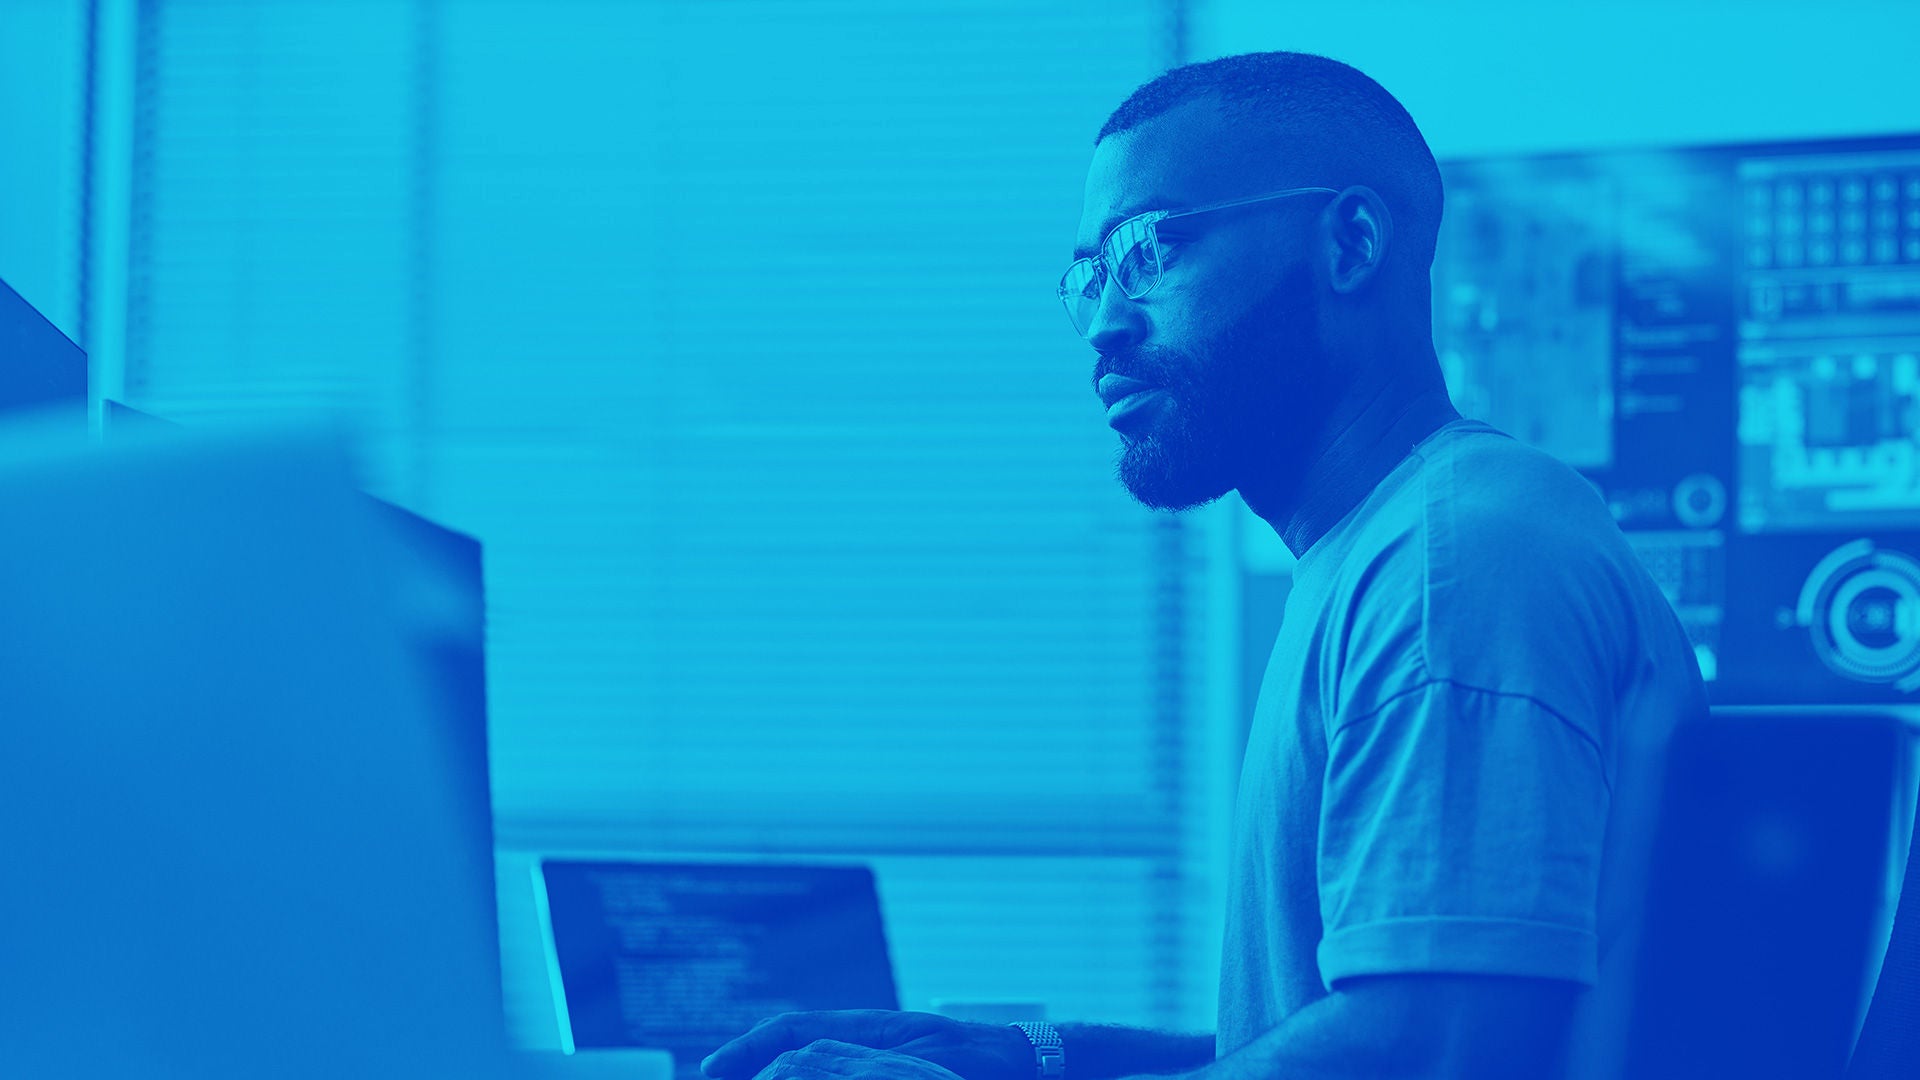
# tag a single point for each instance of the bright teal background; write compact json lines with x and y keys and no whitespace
{"x":728,"y":327}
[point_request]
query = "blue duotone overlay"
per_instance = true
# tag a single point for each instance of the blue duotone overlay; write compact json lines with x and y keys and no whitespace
{"x":728,"y":331}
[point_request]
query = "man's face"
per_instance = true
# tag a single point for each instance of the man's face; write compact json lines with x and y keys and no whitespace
{"x":1229,"y":337}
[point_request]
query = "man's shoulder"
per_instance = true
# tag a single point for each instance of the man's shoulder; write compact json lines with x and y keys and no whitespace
{"x":1475,"y":504}
{"x":1489,"y":482}
{"x":1500,"y":565}
{"x":1495,"y":570}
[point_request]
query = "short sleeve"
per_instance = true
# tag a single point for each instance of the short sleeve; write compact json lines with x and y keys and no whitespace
{"x":1461,"y":832}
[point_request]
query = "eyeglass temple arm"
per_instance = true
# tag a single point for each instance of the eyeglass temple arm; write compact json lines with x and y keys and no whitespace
{"x":1249,"y":199}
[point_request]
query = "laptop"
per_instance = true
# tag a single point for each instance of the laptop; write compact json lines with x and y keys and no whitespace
{"x":683,"y":956}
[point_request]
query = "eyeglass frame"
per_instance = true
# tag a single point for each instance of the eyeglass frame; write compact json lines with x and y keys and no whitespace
{"x":1152,"y":219}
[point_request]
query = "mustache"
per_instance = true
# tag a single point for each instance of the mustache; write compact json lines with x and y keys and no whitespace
{"x":1148,"y":364}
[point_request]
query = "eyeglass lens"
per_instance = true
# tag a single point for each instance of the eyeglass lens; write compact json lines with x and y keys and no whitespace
{"x":1131,"y":254}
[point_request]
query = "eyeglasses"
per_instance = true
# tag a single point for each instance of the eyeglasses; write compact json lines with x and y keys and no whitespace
{"x":1131,"y":253}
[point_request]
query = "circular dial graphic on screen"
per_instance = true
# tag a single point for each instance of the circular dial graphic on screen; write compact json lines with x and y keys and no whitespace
{"x":1699,"y":501}
{"x":1861,"y":606}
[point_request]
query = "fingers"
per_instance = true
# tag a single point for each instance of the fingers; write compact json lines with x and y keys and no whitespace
{"x":749,"y":1053}
{"x":752,"y":1052}
{"x":822,"y":1059}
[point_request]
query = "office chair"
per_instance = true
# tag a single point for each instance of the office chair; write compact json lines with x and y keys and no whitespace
{"x":1768,"y":866}
{"x":1889,"y":1046}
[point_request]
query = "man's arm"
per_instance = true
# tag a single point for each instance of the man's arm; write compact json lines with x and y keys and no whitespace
{"x":1100,"y":1052}
{"x":1388,"y":1027}
{"x":972,"y":1051}
{"x":1440,"y":1026}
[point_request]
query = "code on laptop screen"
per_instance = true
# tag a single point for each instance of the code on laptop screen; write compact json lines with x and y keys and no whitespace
{"x":683,"y":957}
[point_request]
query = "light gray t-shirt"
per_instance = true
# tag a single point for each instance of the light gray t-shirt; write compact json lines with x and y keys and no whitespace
{"x":1455,"y":743}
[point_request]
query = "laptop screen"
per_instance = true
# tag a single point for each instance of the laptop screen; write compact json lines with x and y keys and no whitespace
{"x":684,"y":956}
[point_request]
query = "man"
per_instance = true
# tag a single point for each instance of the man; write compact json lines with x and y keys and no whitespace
{"x":1440,"y":819}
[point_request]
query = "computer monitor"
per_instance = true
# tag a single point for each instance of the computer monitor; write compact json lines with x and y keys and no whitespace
{"x":448,"y":612}
{"x":1726,"y":341}
{"x":682,"y":956}
{"x":40,"y":369}
{"x":119,"y":418}
{"x":447,"y":609}
{"x":230,"y":791}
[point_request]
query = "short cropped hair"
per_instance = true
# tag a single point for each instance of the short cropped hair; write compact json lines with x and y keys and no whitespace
{"x":1362,"y":134}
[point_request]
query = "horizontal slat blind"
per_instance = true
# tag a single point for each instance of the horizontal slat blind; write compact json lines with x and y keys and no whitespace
{"x":43,"y":100}
{"x":273,"y":257}
{"x":729,"y":329}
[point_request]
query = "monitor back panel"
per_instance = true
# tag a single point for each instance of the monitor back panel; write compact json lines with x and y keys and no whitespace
{"x":229,"y":797}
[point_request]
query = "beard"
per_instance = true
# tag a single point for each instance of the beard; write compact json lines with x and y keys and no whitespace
{"x":1244,"y":399}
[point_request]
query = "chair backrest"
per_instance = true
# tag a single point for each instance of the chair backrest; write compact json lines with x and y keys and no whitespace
{"x":1769,"y":862}
{"x":1889,"y":1046}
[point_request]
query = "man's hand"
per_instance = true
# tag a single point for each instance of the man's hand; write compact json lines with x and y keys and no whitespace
{"x":825,"y":1059}
{"x":973,"y":1051}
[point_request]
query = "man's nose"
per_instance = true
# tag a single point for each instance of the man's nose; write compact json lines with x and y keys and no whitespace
{"x":1117,"y":322}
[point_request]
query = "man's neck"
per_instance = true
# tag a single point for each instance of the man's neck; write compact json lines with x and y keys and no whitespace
{"x":1350,"y":464}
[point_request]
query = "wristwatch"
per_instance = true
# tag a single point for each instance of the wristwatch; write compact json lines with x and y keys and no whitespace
{"x":1049,"y":1056}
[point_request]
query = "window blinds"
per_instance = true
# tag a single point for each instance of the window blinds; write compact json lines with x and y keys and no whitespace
{"x":729,"y":329}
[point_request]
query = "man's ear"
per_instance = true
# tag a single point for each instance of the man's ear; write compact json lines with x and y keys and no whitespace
{"x":1362,"y":230}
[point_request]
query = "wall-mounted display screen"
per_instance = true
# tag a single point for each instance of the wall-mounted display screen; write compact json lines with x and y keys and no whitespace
{"x":1726,"y":341}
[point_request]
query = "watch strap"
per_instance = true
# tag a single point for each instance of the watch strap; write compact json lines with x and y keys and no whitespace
{"x":1049,"y":1054}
